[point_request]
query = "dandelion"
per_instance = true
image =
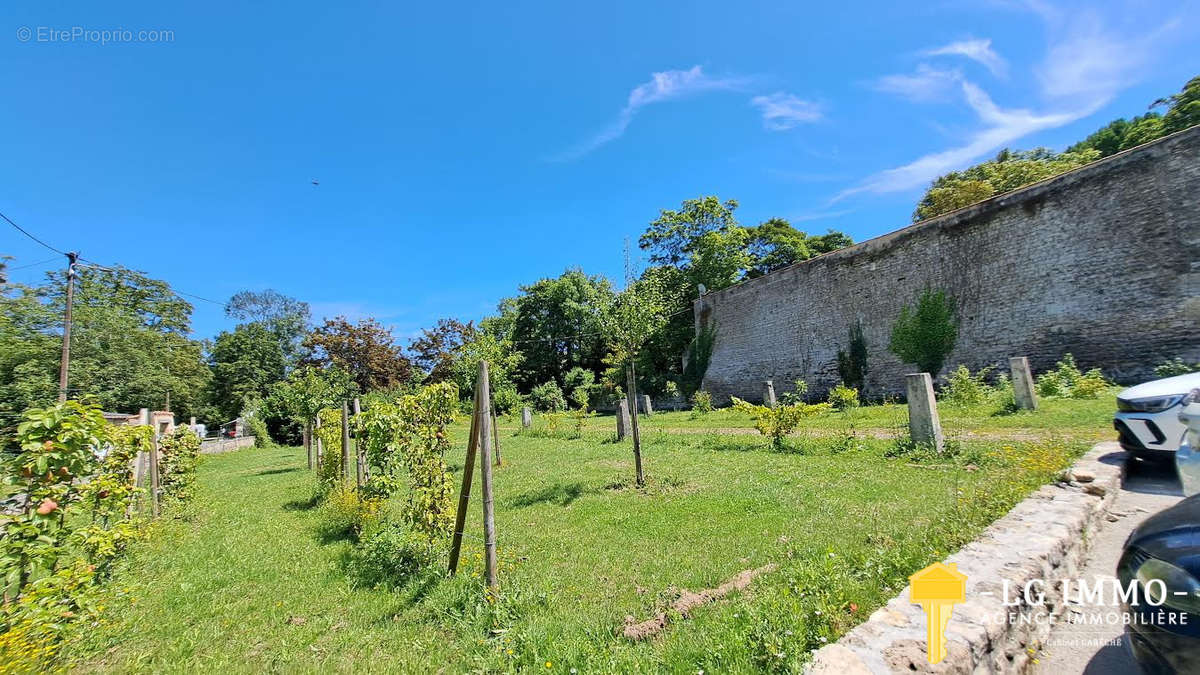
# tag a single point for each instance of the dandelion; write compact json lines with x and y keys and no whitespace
{"x":549,"y":664}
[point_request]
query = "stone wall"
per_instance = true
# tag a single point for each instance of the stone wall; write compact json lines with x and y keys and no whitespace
{"x":1102,"y":262}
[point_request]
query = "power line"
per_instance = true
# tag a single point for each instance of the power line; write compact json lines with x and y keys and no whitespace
{"x":27,"y":234}
{"x":23,"y":267}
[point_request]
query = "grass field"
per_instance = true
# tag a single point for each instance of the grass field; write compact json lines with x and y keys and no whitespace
{"x":243,"y":580}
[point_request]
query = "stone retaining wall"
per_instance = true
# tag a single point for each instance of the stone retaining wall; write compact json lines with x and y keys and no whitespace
{"x":219,"y":445}
{"x":1044,"y":537}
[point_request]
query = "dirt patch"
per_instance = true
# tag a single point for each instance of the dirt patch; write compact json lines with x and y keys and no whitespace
{"x":688,"y":601}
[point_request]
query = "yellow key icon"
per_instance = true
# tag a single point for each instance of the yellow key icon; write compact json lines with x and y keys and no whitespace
{"x":937,"y":589}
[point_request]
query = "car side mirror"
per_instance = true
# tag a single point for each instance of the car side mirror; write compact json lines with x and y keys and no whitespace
{"x":1187,"y":459}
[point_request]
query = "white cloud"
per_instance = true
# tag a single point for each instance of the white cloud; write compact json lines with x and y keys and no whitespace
{"x":665,"y":86}
{"x":927,"y":84}
{"x":782,"y":111}
{"x":979,"y":50}
{"x":1003,"y":127}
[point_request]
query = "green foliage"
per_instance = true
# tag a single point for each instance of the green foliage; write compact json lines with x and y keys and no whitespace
{"x":1066,"y":380}
{"x":775,"y":244}
{"x":797,"y":394}
{"x":392,"y":556}
{"x":346,"y":513}
{"x":852,"y":362}
{"x":776,"y":423}
{"x":842,"y":397}
{"x":699,"y":356}
{"x":631,"y":318}
{"x":670,"y":237}
{"x":1091,"y":385}
{"x":180,"y":452}
{"x":258,"y":429}
{"x":246,"y":362}
{"x":1175,"y":366}
{"x":306,"y":391}
{"x":964,"y":388}
{"x":548,"y":397}
{"x":580,"y":383}
{"x":284,"y":317}
{"x":702,"y":403}
{"x":506,"y":399}
{"x":485,"y":345}
{"x":365,"y":350}
{"x":557,"y":324}
{"x":329,"y":468}
{"x":924,"y":334}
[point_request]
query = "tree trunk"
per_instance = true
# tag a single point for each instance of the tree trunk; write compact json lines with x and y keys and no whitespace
{"x":631,"y":397}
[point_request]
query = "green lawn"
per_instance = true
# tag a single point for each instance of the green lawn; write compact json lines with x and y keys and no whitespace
{"x":242,"y":581}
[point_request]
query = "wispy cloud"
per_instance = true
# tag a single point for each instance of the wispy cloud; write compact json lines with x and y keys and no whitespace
{"x":665,"y":86}
{"x":782,"y":111}
{"x":978,"y":50}
{"x":1085,"y":66}
{"x":927,"y":84}
{"x":820,"y":215}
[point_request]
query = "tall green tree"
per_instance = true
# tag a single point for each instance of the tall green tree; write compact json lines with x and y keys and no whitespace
{"x":775,"y":244}
{"x":285,"y":317}
{"x":556,"y":323}
{"x":245,"y":362}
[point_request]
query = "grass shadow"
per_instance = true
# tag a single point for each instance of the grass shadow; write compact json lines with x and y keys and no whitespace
{"x":273,"y":472}
{"x":561,"y":494}
{"x":302,"y":504}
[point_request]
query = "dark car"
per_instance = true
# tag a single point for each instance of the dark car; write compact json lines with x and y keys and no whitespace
{"x":1160,"y":568}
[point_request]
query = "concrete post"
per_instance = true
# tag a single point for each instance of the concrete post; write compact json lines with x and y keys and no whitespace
{"x":1022,"y":383}
{"x":526,"y":417}
{"x":646,"y":407}
{"x":769,"y":394}
{"x":923,"y":423}
{"x":624,"y":425}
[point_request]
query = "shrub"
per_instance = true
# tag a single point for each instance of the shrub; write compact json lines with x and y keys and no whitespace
{"x":392,"y":556}
{"x":505,"y":399}
{"x":672,"y":391}
{"x":1175,"y":366}
{"x":701,"y":403}
{"x":1091,"y":385}
{"x":852,"y":363}
{"x":779,"y":421}
{"x":1066,"y":380}
{"x":548,"y":397}
{"x":258,"y":429}
{"x":699,"y":355}
{"x":966,"y":389}
{"x":1004,"y":396}
{"x":580,"y":382}
{"x":924,"y":334}
{"x":344,"y":513}
{"x":180,"y":456}
{"x":842,"y":397}
{"x":797,"y":394}
{"x":580,"y":398}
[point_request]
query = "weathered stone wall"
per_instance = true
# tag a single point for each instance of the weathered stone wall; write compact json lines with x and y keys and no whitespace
{"x":1102,"y":262}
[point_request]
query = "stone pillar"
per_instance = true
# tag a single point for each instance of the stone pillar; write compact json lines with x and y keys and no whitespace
{"x":1022,"y":383}
{"x":526,"y":417}
{"x":923,"y":423}
{"x":624,"y":424}
{"x":646,"y":407}
{"x":145,"y":415}
{"x":769,"y":393}
{"x":192,"y":422}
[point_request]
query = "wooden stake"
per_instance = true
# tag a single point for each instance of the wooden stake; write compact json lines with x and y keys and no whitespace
{"x":360,"y":457}
{"x":306,"y":435}
{"x":464,"y":495}
{"x":495,"y":431}
{"x":631,"y":397}
{"x":320,"y":445}
{"x":484,"y":393}
{"x":346,"y":440}
{"x":154,"y":474}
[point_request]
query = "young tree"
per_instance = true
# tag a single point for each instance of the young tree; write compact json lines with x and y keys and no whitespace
{"x":366,"y":350}
{"x":628,"y":322}
{"x":924,"y":334}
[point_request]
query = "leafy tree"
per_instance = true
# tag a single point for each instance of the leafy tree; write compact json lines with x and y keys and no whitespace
{"x":852,"y":362}
{"x":366,"y":350}
{"x":718,"y":258}
{"x":548,"y":397}
{"x":306,"y":391}
{"x":502,"y":360}
{"x":1007,"y":172}
{"x":671,"y":236}
{"x":775,"y":244}
{"x":434,"y":351}
{"x":285,"y":317}
{"x":245,"y":362}
{"x":1183,"y":109}
{"x":924,"y":333}
{"x":556,"y":322}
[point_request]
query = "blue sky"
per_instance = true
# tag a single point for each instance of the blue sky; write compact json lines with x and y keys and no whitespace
{"x":464,"y":149}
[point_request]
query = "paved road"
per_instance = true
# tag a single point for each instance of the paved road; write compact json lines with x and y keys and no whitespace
{"x":1099,"y":649}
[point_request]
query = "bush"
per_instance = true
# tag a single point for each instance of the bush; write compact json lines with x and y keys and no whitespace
{"x":701,"y":403}
{"x":548,"y":397}
{"x":924,"y":334}
{"x":344,"y":513}
{"x":392,"y":556}
{"x":852,"y":363}
{"x":966,"y":389}
{"x":1175,"y":366}
{"x":1091,"y":385}
{"x":842,"y":397}
{"x":797,"y":394}
{"x":1066,"y":380}
{"x":505,"y":400}
{"x":776,"y":423}
{"x":180,"y":456}
{"x":258,"y":429}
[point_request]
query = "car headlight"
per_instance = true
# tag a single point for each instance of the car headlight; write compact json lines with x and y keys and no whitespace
{"x":1151,"y":404}
{"x":1167,"y":585}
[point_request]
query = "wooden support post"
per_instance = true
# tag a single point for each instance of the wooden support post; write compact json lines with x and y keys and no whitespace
{"x":631,"y":397}
{"x":346,"y":440}
{"x":154,"y":473}
{"x":1022,"y":383}
{"x":464,"y":495}
{"x":923,"y":423}
{"x":484,"y":392}
{"x":306,"y":437}
{"x":360,"y":453}
{"x":320,"y":445}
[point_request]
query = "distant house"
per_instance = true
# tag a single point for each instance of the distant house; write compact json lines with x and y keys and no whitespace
{"x":163,"y":421}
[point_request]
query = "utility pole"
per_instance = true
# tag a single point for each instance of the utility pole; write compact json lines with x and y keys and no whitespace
{"x":65,"y":363}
